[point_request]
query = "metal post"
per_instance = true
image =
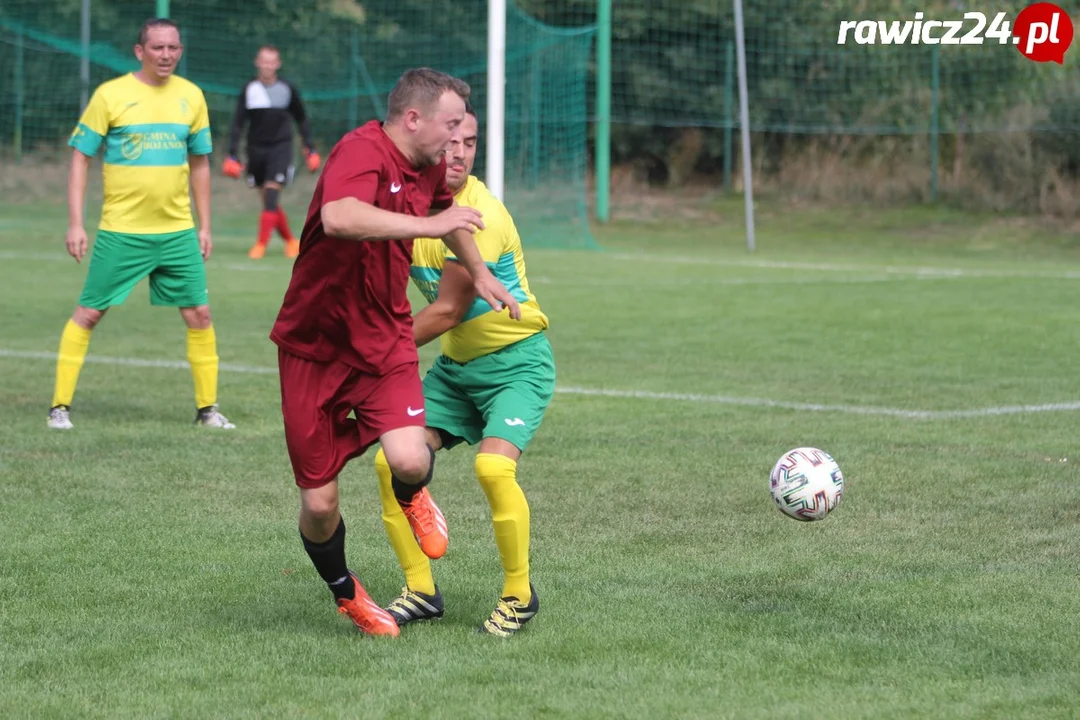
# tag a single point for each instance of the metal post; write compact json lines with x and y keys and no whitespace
{"x":935,"y":129}
{"x":535,"y":119}
{"x":162,"y":9}
{"x":496,"y":97}
{"x":185,"y":39}
{"x":354,"y":77}
{"x":603,"y":110}
{"x":20,"y":77}
{"x":744,"y":113}
{"x":729,"y":111}
{"x":84,"y":56}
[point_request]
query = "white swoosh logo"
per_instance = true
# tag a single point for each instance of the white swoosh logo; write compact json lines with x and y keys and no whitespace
{"x":394,"y":187}
{"x":514,"y":422}
{"x":414,"y":413}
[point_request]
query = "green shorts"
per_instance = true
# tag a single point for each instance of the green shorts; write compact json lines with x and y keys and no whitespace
{"x":120,"y":261}
{"x":501,"y":395}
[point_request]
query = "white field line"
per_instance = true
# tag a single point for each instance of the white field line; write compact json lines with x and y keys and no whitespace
{"x":631,"y":394}
{"x":56,"y":257}
{"x":833,"y":267}
{"x":869,"y":273}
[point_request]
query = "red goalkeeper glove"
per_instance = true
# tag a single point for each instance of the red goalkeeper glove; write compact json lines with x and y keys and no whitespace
{"x":313,"y":161}
{"x":232,"y":167}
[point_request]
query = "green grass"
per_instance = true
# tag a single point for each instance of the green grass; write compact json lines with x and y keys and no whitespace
{"x":151,"y":570}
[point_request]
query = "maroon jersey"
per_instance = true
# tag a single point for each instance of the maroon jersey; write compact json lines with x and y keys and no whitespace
{"x":347,"y":299}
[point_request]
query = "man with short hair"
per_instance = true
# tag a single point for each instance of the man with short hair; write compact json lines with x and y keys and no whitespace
{"x":155,"y":132}
{"x":491,"y":386}
{"x":348,"y":365}
{"x":268,"y":105}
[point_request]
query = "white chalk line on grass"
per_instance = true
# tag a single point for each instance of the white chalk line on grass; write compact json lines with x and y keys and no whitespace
{"x":869,"y":273}
{"x":919,"y":271}
{"x":55,"y":257}
{"x":629,"y":394}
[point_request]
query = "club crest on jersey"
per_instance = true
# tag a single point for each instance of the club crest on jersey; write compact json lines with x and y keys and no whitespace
{"x":183,"y":106}
{"x":131,"y":146}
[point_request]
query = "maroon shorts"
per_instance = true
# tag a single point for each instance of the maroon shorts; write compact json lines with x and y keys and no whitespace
{"x":316,"y":400}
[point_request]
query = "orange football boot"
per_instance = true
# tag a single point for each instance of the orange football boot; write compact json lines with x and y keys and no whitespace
{"x":365,"y":614}
{"x":427,"y":523}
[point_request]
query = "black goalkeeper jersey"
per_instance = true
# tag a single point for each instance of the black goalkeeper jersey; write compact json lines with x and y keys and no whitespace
{"x":268,"y":111}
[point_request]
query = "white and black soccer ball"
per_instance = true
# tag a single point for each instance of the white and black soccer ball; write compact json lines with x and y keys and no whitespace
{"x":806,"y":484}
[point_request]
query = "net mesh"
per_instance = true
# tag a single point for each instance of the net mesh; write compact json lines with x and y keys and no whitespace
{"x":344,"y":57}
{"x":982,"y":113}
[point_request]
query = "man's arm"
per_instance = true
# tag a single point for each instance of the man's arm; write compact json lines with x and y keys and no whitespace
{"x":76,"y":190}
{"x":299,"y":114}
{"x":239,"y":118}
{"x":76,"y":194}
{"x":352,"y":219}
{"x":463,"y":245}
{"x":200,"y":190}
{"x":455,"y":296}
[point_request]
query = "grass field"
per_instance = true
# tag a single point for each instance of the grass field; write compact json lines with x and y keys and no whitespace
{"x":149,"y":569}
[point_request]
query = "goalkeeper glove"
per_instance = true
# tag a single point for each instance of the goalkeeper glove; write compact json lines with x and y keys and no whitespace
{"x":313,"y":161}
{"x":232,"y":167}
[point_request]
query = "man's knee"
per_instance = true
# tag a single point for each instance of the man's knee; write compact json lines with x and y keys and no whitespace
{"x":87,"y":318}
{"x":197,"y":318}
{"x":411,"y":464}
{"x":319,"y":505}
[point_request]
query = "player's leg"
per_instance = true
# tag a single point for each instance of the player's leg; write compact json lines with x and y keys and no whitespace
{"x":257,"y":167}
{"x":420,"y":599}
{"x":117,"y":264}
{"x":451,"y":417}
{"x":179,"y":281}
{"x":414,"y":563}
{"x":412,"y":462}
{"x":392,"y":412}
{"x":275,"y":172}
{"x":513,"y":389}
{"x":321,"y":439}
{"x":279,"y":173}
{"x":74,"y":344}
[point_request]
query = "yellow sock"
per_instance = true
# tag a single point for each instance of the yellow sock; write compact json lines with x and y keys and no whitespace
{"x":510,"y":516}
{"x":412,"y":559}
{"x":202,"y":354}
{"x":74,"y":342}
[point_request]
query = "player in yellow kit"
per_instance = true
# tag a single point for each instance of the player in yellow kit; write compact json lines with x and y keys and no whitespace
{"x":155,"y":132}
{"x":491,"y":385}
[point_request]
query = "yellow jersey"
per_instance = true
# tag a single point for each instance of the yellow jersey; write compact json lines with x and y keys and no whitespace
{"x":483,"y":330}
{"x":148,"y":132}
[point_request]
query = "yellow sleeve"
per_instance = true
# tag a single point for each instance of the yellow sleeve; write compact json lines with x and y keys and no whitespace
{"x":93,"y":125}
{"x":199,"y":140}
{"x":494,"y":239}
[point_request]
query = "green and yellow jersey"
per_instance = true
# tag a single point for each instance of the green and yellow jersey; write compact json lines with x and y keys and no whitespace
{"x":483,"y":330}
{"x":147,"y":132}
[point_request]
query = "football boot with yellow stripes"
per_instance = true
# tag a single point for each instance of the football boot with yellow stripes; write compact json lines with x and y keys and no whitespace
{"x":411,"y":606}
{"x":510,"y":615}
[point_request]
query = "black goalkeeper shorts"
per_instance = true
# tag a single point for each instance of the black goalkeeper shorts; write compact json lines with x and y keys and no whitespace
{"x":270,"y":163}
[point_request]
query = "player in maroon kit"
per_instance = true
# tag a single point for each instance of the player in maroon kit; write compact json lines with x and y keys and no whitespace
{"x":344,"y":332}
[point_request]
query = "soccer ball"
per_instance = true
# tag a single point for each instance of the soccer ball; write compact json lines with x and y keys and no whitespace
{"x":806,"y":484}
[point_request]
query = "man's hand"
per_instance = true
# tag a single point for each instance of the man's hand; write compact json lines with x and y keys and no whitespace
{"x":232,"y":167}
{"x":76,"y":242}
{"x":496,"y":295}
{"x":313,"y":160}
{"x":206,"y":244}
{"x":456,"y":217}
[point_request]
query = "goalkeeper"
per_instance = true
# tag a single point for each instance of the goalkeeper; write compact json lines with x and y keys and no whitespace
{"x":490,"y":386}
{"x":267,"y":105}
